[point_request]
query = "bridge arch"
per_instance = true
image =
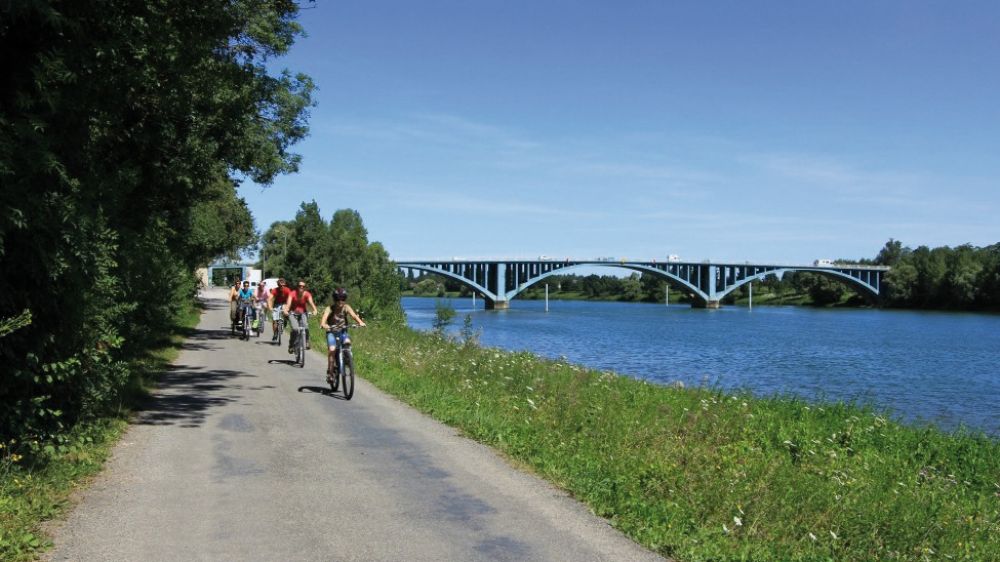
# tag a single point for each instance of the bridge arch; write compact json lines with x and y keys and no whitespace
{"x":855,"y":284}
{"x":673,"y":280}
{"x":454,"y":276}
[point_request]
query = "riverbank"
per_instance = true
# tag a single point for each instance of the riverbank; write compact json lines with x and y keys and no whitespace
{"x":700,"y":474}
{"x":42,"y":491}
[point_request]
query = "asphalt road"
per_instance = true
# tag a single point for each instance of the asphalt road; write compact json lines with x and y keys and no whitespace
{"x":242,"y":456}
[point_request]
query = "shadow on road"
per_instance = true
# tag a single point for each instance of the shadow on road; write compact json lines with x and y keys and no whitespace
{"x":289,"y":362}
{"x":322,"y":390}
{"x":186,"y":394}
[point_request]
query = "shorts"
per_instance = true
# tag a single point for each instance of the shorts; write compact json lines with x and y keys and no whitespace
{"x":276,"y":313}
{"x":332,"y":337}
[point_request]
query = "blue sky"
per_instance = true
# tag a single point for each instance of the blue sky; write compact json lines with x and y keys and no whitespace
{"x":766,"y":131}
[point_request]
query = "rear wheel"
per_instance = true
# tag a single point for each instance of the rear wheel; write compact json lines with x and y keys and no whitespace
{"x":348,"y":374}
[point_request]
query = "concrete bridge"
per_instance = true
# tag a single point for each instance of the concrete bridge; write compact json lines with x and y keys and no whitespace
{"x":499,"y":281}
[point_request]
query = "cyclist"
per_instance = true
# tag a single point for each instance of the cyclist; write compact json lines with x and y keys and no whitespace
{"x":334,"y":321}
{"x":245,"y":298}
{"x":276,"y":302}
{"x":234,"y":292}
{"x":295,"y":309}
{"x":259,"y":304}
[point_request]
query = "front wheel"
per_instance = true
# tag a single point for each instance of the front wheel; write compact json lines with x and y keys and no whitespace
{"x":332,"y":376}
{"x":348,"y":374}
{"x":300,"y":347}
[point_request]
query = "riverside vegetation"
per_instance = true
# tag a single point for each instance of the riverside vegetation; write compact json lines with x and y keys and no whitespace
{"x":700,"y":474}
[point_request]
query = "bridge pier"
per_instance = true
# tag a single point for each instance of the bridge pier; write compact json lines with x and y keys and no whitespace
{"x":697,"y":303}
{"x":497,"y":305}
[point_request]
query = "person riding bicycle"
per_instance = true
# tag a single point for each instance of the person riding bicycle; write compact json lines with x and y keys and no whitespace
{"x":295,"y":309}
{"x":334,"y":321}
{"x":245,"y":299}
{"x":260,"y":304}
{"x":276,"y":303}
{"x":234,"y":291}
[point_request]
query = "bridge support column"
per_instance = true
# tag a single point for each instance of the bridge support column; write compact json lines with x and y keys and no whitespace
{"x":497,"y":305}
{"x":698,"y":303}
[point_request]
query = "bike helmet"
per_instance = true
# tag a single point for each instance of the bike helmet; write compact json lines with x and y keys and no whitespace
{"x":340,"y":294}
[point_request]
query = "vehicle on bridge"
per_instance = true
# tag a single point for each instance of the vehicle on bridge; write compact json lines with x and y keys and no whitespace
{"x":823,"y":263}
{"x":673,"y":258}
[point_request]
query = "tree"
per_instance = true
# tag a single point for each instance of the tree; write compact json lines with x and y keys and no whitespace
{"x":125,"y":128}
{"x":891,"y":253}
{"x":631,"y":288}
{"x":653,"y":287}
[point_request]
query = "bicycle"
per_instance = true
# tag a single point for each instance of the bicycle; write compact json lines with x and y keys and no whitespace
{"x":300,"y":341}
{"x":247,"y":328}
{"x":344,"y":360}
{"x":255,"y":324}
{"x":280,"y":322}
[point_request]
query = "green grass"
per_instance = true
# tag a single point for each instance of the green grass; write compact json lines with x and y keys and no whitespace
{"x":700,"y":474}
{"x":30,"y":495}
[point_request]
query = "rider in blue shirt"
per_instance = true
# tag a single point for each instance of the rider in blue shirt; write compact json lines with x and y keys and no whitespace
{"x":245,"y":298}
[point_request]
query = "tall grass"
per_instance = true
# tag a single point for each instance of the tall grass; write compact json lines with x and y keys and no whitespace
{"x":701,"y":474}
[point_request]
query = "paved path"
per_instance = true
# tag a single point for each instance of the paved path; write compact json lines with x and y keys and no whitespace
{"x":242,"y":456}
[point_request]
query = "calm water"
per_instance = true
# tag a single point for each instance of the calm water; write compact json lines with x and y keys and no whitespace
{"x":940,"y":367}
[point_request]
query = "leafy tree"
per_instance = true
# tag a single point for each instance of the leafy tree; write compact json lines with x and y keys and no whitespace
{"x":890,"y":254}
{"x":631,"y":288}
{"x":125,"y":128}
{"x":443,"y":315}
{"x":653,"y":287}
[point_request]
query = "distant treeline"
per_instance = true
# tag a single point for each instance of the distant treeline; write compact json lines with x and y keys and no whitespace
{"x":961,"y":278}
{"x":125,"y":129}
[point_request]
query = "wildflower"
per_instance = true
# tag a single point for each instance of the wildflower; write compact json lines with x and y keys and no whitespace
{"x":725,"y":529}
{"x":834,"y":535}
{"x":738,"y":521}
{"x":812,"y":536}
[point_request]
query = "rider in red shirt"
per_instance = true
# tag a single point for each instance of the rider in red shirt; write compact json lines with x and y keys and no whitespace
{"x":295,"y":308}
{"x":276,"y":303}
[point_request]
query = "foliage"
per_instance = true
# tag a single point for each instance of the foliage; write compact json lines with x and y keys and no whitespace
{"x":37,"y":478}
{"x":335,"y":254}
{"x":444,"y":313}
{"x":125,"y":128}
{"x":469,"y":334}
{"x":965,"y":277}
{"x":699,"y":474}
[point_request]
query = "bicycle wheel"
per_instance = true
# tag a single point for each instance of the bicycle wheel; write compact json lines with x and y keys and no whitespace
{"x":281,"y":328}
{"x":300,"y":347}
{"x":246,"y":327}
{"x":348,"y":374}
{"x":334,"y":380}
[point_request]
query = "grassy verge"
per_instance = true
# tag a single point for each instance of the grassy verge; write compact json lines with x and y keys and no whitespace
{"x":30,"y":495}
{"x":699,"y":474}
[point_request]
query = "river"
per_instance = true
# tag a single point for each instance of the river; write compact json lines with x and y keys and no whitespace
{"x":934,"y":367}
